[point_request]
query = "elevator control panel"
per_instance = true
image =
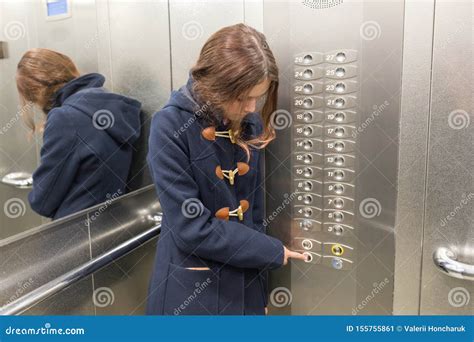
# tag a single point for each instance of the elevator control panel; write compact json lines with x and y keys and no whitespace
{"x":325,"y":105}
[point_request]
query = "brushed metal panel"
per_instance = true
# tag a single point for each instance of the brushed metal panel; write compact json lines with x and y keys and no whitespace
{"x":450,"y":182}
{"x":191,"y":24}
{"x":374,"y":31}
{"x":138,"y":52}
{"x":76,"y":299}
{"x":123,"y":285}
{"x":416,"y":84}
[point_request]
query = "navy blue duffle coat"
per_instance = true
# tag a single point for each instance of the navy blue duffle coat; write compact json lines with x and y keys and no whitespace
{"x":233,"y":255}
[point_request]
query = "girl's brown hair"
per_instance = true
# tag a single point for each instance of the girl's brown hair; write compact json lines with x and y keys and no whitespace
{"x":40,"y":74}
{"x":233,"y":61}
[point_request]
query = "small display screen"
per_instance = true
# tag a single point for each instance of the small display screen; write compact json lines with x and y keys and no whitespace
{"x":57,"y":7}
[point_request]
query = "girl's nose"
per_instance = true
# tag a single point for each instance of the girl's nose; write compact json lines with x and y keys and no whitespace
{"x":251,"y":106}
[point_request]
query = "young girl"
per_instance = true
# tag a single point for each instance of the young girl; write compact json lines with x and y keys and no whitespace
{"x":213,"y":253}
{"x":87,"y":136}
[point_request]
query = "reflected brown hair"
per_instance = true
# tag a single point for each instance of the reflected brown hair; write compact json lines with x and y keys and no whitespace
{"x":233,"y":61}
{"x":40,"y":74}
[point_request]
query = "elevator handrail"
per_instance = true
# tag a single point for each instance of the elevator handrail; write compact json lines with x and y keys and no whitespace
{"x":47,"y":290}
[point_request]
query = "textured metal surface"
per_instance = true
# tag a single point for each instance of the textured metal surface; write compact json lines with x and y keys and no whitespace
{"x":374,"y":31}
{"x":417,"y":53}
{"x":450,"y":181}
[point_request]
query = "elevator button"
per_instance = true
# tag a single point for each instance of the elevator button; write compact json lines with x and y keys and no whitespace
{"x":346,"y":71}
{"x":338,"y":203}
{"x":340,"y":72}
{"x":308,"y":199}
{"x":339,"y":161}
{"x":339,"y":131}
{"x":338,"y":216}
{"x":337,"y":229}
{"x":307,"y":172}
{"x":307,"y":159}
{"x":306,"y":225}
{"x":337,"y":263}
{"x":307,"y":244}
{"x":308,"y":103}
{"x":308,"y":88}
{"x":339,"y":146}
{"x":339,"y":189}
{"x":339,"y":174}
{"x":308,"y":73}
{"x":307,"y":145}
{"x":307,"y":130}
{"x":339,"y":102}
{"x":340,"y":56}
{"x":307,"y":186}
{"x":308,"y":116}
{"x":308,"y":212}
{"x":308,"y":58}
{"x":340,"y":117}
{"x":340,"y":88}
{"x":337,"y":250}
{"x":309,"y":257}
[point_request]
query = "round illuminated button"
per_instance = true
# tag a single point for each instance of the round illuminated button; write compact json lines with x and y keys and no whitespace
{"x":339,"y":161}
{"x":308,"y":73}
{"x":340,"y":87}
{"x":339,"y":189}
{"x":339,"y":116}
{"x":307,"y":186}
{"x":307,"y":145}
{"x":340,"y":102}
{"x":308,"y":59}
{"x":306,"y":225}
{"x":307,"y":199}
{"x":307,"y":172}
{"x":307,"y":159}
{"x":307,"y":212}
{"x":340,"y":57}
{"x":339,"y":146}
{"x":308,"y":88}
{"x":308,"y":102}
{"x":339,"y":131}
{"x":307,"y":130}
{"x":338,"y":203}
{"x":307,"y":244}
{"x":340,"y":72}
{"x":338,"y":216}
{"x":337,"y":250}
{"x":339,"y":174}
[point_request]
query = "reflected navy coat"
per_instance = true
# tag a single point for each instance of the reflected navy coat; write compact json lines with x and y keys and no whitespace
{"x":87,"y":150}
{"x":237,"y":253}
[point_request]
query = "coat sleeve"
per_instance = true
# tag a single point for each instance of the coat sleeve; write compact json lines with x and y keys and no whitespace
{"x":204,"y":235}
{"x":58,"y":165}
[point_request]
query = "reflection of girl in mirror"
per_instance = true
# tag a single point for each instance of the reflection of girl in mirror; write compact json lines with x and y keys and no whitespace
{"x":205,"y":156}
{"x":87,"y":136}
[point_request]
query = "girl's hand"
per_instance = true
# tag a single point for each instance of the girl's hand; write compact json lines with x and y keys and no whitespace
{"x":291,"y":254}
